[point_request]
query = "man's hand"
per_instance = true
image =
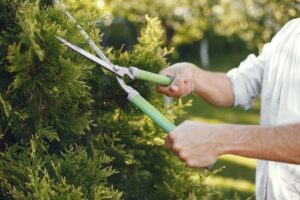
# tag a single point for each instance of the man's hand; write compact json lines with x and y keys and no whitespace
{"x":183,"y":83}
{"x":214,"y":88}
{"x":197,"y":144}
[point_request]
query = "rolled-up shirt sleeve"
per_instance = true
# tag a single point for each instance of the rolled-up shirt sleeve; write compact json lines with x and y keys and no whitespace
{"x":247,"y":79}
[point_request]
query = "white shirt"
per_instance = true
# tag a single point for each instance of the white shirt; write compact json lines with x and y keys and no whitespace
{"x":275,"y":76}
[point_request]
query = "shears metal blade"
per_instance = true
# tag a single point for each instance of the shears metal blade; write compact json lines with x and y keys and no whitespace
{"x":117,"y":70}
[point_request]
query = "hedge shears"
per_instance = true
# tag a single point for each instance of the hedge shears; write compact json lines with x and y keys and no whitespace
{"x":120,"y":72}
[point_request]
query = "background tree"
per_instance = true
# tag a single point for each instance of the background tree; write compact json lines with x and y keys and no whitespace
{"x":184,"y":21}
{"x":187,"y":21}
{"x":254,"y":21}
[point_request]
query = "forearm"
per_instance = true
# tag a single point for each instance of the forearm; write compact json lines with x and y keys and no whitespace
{"x":278,"y":143}
{"x":214,"y":88}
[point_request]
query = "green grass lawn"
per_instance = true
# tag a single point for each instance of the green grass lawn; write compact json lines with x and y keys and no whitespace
{"x":237,"y":178}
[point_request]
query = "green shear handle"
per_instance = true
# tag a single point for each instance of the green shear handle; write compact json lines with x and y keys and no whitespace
{"x":149,"y":76}
{"x":152,"y":112}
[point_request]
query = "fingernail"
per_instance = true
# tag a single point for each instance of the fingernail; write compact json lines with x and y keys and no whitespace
{"x":174,"y":88}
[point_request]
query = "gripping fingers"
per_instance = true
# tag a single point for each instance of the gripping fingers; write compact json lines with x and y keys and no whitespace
{"x":178,"y":88}
{"x":187,"y":151}
{"x":168,"y":143}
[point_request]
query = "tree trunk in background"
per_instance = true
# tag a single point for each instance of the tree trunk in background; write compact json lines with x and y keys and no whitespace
{"x":168,"y":102}
{"x":204,"y":53}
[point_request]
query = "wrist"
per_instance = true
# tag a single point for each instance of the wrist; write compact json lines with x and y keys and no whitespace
{"x":201,"y":81}
{"x":197,"y":78}
{"x":224,"y":137}
{"x":234,"y":139}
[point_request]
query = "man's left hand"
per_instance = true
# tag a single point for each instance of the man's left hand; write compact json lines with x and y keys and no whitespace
{"x":195,"y":143}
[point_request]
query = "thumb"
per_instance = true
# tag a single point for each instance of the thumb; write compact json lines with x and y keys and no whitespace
{"x":177,"y":84}
{"x":174,"y":87}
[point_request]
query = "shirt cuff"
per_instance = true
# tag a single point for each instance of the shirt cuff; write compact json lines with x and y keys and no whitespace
{"x":241,"y":98}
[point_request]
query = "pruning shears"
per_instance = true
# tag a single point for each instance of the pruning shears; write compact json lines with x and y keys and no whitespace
{"x":120,"y":72}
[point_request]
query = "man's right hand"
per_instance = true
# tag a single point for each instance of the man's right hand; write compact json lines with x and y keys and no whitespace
{"x":214,"y":88}
{"x":183,"y":80}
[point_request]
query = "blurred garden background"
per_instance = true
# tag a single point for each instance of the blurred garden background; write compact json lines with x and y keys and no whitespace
{"x":63,"y":136}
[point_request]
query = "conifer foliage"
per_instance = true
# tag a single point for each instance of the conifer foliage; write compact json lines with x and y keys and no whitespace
{"x":67,"y":130}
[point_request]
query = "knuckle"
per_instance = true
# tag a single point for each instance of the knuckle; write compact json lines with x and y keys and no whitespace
{"x":172,"y":136}
{"x":169,"y":92}
{"x":190,"y":163}
{"x":187,"y":122}
{"x":168,"y":144}
{"x":177,"y":94}
{"x":167,"y":71}
{"x":164,"y":71}
{"x":183,"y":156}
{"x":177,"y":148}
